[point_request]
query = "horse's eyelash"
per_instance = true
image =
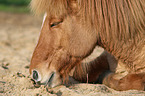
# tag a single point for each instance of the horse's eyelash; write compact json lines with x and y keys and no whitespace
{"x":55,"y":23}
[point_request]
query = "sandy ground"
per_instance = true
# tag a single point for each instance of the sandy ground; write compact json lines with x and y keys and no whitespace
{"x":18,"y":36}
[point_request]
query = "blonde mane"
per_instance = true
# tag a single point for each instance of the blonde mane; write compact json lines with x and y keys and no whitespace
{"x":119,"y":17}
{"x":56,"y":7}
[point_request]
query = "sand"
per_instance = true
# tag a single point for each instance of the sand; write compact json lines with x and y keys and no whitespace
{"x":18,"y":37}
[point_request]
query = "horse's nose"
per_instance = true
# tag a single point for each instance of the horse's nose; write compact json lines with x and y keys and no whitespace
{"x":35,"y":75}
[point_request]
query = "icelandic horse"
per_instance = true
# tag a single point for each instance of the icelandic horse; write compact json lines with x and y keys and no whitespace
{"x":73,"y":28}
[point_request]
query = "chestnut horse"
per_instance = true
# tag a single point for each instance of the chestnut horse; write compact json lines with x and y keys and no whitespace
{"x":73,"y":28}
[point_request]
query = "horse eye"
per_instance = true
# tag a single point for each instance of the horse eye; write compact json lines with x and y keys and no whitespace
{"x":55,"y":23}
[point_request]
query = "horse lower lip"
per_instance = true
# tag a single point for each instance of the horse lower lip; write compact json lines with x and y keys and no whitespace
{"x":37,"y":85}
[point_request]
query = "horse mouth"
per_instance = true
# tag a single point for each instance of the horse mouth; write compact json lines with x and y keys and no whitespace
{"x":36,"y":84}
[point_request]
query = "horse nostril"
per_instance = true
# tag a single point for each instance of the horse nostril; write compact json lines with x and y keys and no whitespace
{"x":35,"y":75}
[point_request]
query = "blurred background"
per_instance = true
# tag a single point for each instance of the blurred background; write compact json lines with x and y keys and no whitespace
{"x":19,"y":6}
{"x":19,"y":32}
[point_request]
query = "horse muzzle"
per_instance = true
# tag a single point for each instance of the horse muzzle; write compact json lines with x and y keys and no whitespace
{"x":50,"y":79}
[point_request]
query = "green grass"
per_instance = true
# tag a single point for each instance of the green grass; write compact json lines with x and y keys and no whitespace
{"x":14,"y":9}
{"x":16,"y":6}
{"x":15,"y":2}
